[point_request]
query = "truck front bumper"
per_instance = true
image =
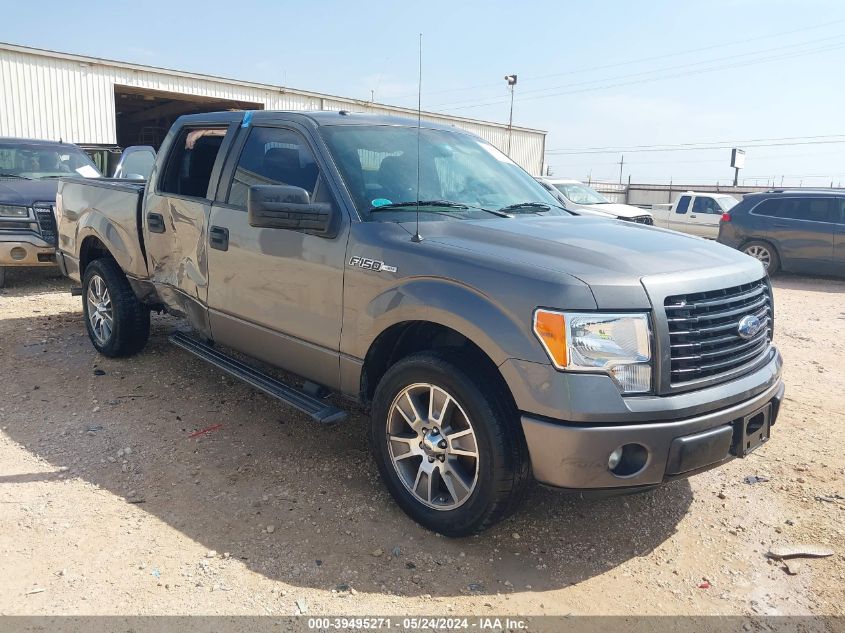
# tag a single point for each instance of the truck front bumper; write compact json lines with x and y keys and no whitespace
{"x":576,"y":455}
{"x":29,"y":252}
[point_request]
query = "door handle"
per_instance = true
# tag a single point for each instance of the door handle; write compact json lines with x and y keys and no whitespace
{"x":155,"y":223}
{"x":218,"y":238}
{"x":780,"y":226}
{"x":693,"y":215}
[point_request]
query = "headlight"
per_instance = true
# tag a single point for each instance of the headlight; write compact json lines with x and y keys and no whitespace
{"x":616,"y":344}
{"x":13,"y":211}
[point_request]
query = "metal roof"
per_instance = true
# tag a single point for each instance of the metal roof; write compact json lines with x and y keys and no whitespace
{"x":84,"y":59}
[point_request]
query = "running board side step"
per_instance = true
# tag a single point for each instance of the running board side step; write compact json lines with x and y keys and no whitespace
{"x":316,"y":409}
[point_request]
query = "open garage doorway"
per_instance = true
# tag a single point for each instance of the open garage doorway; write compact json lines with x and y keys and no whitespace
{"x":144,"y":116}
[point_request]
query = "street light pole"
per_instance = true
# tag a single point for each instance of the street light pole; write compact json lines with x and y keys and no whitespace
{"x":511,"y":79}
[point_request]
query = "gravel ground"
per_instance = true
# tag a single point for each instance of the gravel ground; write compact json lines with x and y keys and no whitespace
{"x":108,"y":505}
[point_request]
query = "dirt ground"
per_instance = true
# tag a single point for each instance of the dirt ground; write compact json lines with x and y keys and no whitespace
{"x":108,"y":505}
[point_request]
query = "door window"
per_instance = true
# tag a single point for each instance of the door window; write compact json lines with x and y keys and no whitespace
{"x":274,"y":156}
{"x":188,"y":170}
{"x":706,"y":205}
{"x":683,"y":205}
{"x":813,"y":209}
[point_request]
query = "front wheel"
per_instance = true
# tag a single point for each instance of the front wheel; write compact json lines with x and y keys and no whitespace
{"x":447,"y":444}
{"x":118,"y":324}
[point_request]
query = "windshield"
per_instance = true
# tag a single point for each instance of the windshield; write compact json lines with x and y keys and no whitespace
{"x":727,"y":202}
{"x":45,"y":160}
{"x":378,"y":163}
{"x":581,"y":194}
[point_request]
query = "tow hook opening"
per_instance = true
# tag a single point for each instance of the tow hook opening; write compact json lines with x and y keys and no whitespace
{"x":755,"y":423}
{"x":628,"y":460}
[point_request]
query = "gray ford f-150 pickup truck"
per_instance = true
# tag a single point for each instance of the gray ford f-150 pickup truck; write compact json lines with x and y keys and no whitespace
{"x":495,"y":336}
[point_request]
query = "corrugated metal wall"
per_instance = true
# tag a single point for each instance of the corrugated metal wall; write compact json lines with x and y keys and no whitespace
{"x":57,"y":96}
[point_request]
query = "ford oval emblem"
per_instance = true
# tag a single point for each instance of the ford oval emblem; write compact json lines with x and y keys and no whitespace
{"x":749,"y":326}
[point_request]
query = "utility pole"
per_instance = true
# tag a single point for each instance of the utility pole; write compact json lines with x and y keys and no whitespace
{"x":511,"y":79}
{"x":621,"y":163}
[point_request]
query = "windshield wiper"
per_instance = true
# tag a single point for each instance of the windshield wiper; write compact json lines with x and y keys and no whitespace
{"x":445,"y":204}
{"x":527,"y":205}
{"x":4,"y":174}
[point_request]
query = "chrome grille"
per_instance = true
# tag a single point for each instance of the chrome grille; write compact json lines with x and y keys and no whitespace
{"x":703,"y":330}
{"x":47,"y":224}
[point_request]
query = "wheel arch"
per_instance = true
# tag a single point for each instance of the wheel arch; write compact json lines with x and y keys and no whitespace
{"x":405,"y":338}
{"x":768,"y":242}
{"x":91,"y":248}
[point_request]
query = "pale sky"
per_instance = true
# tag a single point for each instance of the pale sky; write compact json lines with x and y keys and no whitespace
{"x":763,"y":75}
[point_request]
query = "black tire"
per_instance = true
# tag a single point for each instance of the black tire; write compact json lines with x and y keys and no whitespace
{"x":2,"y":276}
{"x":503,"y":465}
{"x":130,"y":318}
{"x":765,"y":253}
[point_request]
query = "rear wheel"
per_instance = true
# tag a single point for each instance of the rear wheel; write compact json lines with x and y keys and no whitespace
{"x":765,"y":254}
{"x":118,"y":324}
{"x":447,"y":444}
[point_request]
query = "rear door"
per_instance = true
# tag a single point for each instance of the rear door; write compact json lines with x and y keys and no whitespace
{"x":176,"y":217}
{"x":802,"y":229}
{"x":679,"y":216}
{"x":276,"y":294}
{"x":704,"y":217}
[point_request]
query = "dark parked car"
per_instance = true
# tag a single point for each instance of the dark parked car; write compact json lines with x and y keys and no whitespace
{"x":796,"y":231}
{"x":29,"y":170}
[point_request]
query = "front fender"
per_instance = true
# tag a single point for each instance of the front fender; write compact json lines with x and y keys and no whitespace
{"x":499,"y":333}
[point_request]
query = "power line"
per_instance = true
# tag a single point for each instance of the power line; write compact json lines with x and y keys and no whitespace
{"x":652,"y":79}
{"x":641,"y":59}
{"x":779,"y":49}
{"x":705,"y":145}
{"x":692,"y":50}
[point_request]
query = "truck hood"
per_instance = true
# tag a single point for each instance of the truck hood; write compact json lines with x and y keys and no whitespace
{"x":25,"y":192}
{"x":615,"y":209}
{"x":611,"y":257}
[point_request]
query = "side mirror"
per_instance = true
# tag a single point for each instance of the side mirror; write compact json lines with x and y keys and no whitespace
{"x":286,"y":207}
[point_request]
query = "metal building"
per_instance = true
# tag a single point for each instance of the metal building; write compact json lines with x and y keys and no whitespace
{"x":92,"y":101}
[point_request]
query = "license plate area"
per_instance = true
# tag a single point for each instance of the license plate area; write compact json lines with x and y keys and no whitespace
{"x":752,"y":431}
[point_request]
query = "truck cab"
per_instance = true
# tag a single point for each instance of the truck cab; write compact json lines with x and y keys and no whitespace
{"x":694,"y":213}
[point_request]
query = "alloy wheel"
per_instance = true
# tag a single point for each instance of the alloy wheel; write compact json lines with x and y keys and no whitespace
{"x":433,"y":446}
{"x":100,"y":313}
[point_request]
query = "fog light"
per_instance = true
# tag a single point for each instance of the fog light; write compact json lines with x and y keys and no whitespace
{"x":628,"y":460}
{"x":615,"y":457}
{"x":18,"y":253}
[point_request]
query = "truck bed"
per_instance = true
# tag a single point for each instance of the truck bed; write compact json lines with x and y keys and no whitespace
{"x":108,"y":210}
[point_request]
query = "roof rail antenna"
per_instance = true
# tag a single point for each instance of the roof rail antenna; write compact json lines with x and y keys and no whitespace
{"x":417,"y":237}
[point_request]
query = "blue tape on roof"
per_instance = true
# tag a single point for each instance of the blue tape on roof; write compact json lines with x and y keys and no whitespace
{"x":247,"y":119}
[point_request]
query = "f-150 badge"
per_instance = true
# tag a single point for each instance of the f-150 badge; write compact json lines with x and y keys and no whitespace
{"x":371,"y":264}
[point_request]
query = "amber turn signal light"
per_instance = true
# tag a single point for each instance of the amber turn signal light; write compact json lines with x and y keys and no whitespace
{"x":550,"y":328}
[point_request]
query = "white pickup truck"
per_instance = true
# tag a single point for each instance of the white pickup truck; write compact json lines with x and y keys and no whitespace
{"x":694,"y":213}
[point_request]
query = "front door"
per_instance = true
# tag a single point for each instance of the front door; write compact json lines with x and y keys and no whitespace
{"x":679,"y":218}
{"x":839,"y":239}
{"x":176,"y":220}
{"x":704,"y":217}
{"x":276,"y":294}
